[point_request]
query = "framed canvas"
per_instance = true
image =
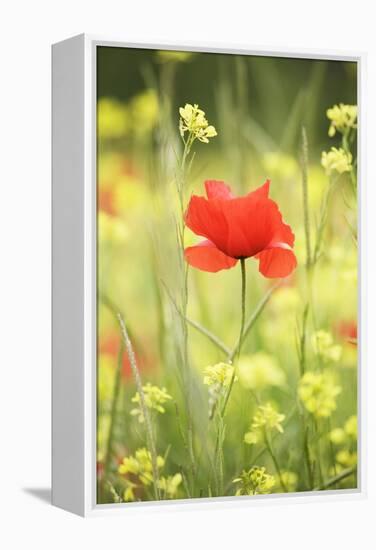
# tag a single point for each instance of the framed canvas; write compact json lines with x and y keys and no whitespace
{"x":208,"y":289}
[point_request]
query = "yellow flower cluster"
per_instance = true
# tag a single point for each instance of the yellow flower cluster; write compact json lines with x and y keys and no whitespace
{"x":280,"y":165}
{"x":155,"y":398}
{"x":289,"y":480}
{"x":111,"y":229}
{"x":193,"y":121}
{"x":265,"y":418}
{"x":218,"y":377}
{"x":346,"y":437}
{"x":346,"y":458}
{"x":342,"y":118}
{"x":112,"y":118}
{"x":260,"y":370}
{"x":140,"y":465}
{"x":254,"y":482}
{"x":318,"y":392}
{"x":349,"y":432}
{"x":323,"y":345}
{"x":170,"y":485}
{"x":139,"y":116}
{"x":144,"y":112}
{"x":220,"y":374}
{"x":336,"y":160}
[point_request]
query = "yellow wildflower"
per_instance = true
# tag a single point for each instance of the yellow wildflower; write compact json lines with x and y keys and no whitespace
{"x":128,"y":494}
{"x":193,"y":121}
{"x":336,"y":160}
{"x":351,"y":427}
{"x":280,"y":165}
{"x":342,"y":118}
{"x":155,"y":398}
{"x":260,"y":370}
{"x":289,"y":480}
{"x":170,"y":485}
{"x":323,"y":345}
{"x":254,"y":482}
{"x":346,"y":458}
{"x":113,"y":118}
{"x":318,"y":392}
{"x":111,"y":229}
{"x":337,"y":436}
{"x":221,"y":374}
{"x":217,"y":377}
{"x":144,"y":109}
{"x":140,"y":465}
{"x":265,"y":418}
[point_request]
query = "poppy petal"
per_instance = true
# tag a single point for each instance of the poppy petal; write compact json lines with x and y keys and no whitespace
{"x":252,"y":222}
{"x":261,"y":192}
{"x":283,"y":234}
{"x":276,"y":261}
{"x":206,"y":218}
{"x":218,"y":190}
{"x":207,"y":257}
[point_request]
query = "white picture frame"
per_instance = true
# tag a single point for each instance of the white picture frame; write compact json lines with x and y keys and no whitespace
{"x":74,"y":278}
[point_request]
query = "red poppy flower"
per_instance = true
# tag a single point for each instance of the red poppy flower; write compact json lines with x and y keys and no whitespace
{"x":348,"y":330}
{"x":237,"y":228}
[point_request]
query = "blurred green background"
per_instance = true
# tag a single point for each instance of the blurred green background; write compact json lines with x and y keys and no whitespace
{"x":258,"y":106}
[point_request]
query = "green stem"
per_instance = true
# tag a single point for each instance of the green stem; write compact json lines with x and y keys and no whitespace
{"x":275,"y":462}
{"x":218,"y":453}
{"x":252,"y":320}
{"x":188,"y":383}
{"x":241,"y":334}
{"x":244,"y":284}
{"x":336,"y":479}
{"x":306,"y":454}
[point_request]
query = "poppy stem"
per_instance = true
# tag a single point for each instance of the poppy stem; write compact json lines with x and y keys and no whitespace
{"x":243,"y":291}
{"x":241,"y":334}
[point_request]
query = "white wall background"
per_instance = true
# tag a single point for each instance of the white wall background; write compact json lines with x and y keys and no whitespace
{"x":27,"y":30}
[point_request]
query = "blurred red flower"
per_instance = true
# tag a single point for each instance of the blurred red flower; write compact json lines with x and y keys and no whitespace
{"x":239,"y":227}
{"x":110,"y":344}
{"x":106,"y":202}
{"x":348,"y":330}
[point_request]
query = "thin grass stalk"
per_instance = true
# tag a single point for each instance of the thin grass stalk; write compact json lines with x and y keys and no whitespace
{"x":114,"y":403}
{"x":200,"y":328}
{"x":252,"y":320}
{"x":331,"y":449}
{"x":241,"y":112}
{"x":336,"y":479}
{"x":318,"y":452}
{"x":308,"y":266}
{"x":275,"y":461}
{"x":307,"y":457}
{"x":304,"y":163}
{"x":346,"y":148}
{"x":143,"y":406}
